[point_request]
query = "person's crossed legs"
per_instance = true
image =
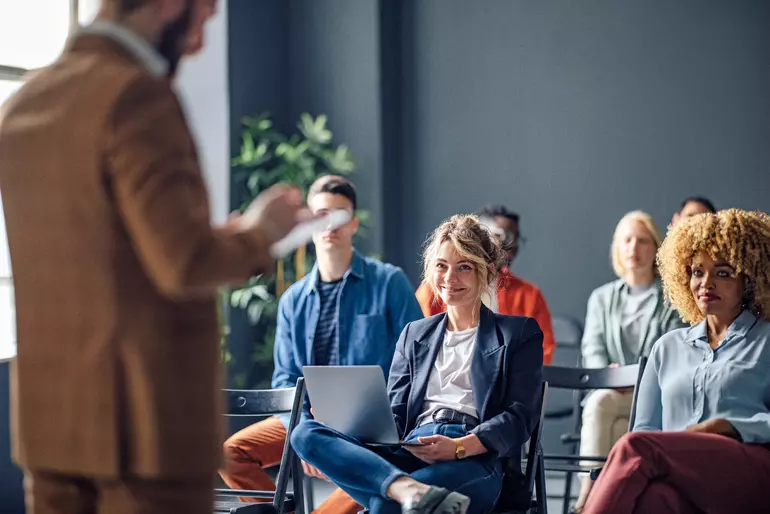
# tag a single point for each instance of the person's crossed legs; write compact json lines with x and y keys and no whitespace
{"x":711,"y":473}
{"x":259,"y":446}
{"x":368,"y":474}
{"x":662,"y":498}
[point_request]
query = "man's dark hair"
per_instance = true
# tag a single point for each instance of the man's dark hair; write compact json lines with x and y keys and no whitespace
{"x":335,"y":185}
{"x":490,"y":211}
{"x":698,"y":199}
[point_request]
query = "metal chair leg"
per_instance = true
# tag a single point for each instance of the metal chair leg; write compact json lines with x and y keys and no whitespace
{"x":298,"y":487}
{"x":541,"y":493}
{"x":307,"y":484}
{"x":567,"y":492}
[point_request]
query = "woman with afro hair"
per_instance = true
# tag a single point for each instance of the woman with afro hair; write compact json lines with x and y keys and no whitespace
{"x":701,"y":440}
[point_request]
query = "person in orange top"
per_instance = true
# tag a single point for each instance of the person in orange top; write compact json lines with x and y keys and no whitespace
{"x":514,"y":295}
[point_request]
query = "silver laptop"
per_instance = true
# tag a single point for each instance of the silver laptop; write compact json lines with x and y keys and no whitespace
{"x":353,"y":400}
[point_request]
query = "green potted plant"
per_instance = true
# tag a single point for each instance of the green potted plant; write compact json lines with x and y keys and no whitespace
{"x":266,"y":157}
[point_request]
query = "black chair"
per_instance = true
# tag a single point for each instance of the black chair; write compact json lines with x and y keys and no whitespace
{"x":564,"y":412}
{"x":568,"y":333}
{"x":268,"y":402}
{"x":518,"y":490}
{"x":582,"y":380}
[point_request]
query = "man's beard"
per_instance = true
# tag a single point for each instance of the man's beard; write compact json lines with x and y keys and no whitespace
{"x":173,"y":39}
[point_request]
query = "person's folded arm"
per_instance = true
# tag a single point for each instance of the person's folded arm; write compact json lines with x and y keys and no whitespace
{"x":753,"y":430}
{"x":504,"y":434}
{"x":594,"y":344}
{"x":649,"y":403}
{"x":400,"y":382}
{"x":155,"y":177}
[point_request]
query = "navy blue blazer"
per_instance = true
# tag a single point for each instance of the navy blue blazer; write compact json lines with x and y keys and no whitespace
{"x":506,"y":377}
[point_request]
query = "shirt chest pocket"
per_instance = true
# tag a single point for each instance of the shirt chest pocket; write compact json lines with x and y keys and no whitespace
{"x":739,"y":382}
{"x":369,"y":338}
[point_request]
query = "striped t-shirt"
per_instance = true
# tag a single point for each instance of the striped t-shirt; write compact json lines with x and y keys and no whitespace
{"x":325,"y":349}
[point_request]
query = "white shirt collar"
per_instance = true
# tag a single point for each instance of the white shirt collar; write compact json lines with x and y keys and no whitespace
{"x":132,"y":42}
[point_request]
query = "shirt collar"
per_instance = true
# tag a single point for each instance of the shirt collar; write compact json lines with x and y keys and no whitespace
{"x":136,"y":45}
{"x":739,"y":327}
{"x":656,"y":284}
{"x":356,"y":269}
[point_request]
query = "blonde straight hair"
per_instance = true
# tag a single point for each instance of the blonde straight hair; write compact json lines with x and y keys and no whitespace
{"x":646,"y":220}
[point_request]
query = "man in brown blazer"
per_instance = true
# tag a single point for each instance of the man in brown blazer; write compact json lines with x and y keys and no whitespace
{"x":116,"y":386}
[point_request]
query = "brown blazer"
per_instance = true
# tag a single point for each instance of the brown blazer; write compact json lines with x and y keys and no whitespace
{"x":116,"y":266}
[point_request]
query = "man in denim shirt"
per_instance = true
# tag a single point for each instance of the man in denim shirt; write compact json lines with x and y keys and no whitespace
{"x":349,"y":310}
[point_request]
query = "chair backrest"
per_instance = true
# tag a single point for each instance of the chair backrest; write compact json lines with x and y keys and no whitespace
{"x":266,"y":402}
{"x":591,"y":378}
{"x":260,"y":402}
{"x":567,"y":331}
{"x":632,"y":417}
{"x":535,"y":446}
{"x":516,"y":494}
{"x":288,"y":457}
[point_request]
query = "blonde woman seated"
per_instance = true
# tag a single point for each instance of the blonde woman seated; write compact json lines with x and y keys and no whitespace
{"x":466,"y":382}
{"x":625,"y":317}
{"x":701,"y":441}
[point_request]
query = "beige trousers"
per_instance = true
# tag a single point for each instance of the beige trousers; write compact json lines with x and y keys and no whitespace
{"x":605,"y":420}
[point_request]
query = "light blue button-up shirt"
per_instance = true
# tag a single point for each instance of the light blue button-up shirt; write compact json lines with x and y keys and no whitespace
{"x":686,"y":382}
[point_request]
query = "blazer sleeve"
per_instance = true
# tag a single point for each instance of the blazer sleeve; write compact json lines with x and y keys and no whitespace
{"x":400,"y":382}
{"x":155,"y":178}
{"x":505,"y":434}
{"x":594,"y":343}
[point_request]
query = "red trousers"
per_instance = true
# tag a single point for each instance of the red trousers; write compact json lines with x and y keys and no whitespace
{"x":682,"y":472}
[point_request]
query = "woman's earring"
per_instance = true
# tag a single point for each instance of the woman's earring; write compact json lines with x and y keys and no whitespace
{"x":748,"y":294}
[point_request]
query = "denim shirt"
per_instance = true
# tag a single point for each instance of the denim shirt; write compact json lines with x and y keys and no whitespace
{"x":375,"y":303}
{"x":686,"y":382}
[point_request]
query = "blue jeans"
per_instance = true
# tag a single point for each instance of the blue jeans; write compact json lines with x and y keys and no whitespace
{"x":365,"y":473}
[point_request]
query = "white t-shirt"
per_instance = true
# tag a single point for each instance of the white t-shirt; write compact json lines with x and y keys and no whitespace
{"x":449,"y":385}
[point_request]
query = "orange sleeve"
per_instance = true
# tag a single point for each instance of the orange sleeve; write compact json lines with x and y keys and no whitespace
{"x":424,"y":296}
{"x":543,"y":317}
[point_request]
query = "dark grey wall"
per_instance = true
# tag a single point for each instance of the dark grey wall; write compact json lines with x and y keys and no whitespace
{"x":259,"y":71}
{"x":573,"y":113}
{"x":334,"y":69}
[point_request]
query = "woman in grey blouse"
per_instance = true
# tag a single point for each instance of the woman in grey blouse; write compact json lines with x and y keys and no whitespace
{"x":701,"y":440}
{"x":625,"y":317}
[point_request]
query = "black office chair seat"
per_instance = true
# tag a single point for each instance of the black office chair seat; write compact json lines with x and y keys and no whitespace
{"x":235,"y":507}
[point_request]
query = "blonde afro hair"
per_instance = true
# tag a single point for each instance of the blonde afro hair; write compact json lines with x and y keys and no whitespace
{"x":741,"y":238}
